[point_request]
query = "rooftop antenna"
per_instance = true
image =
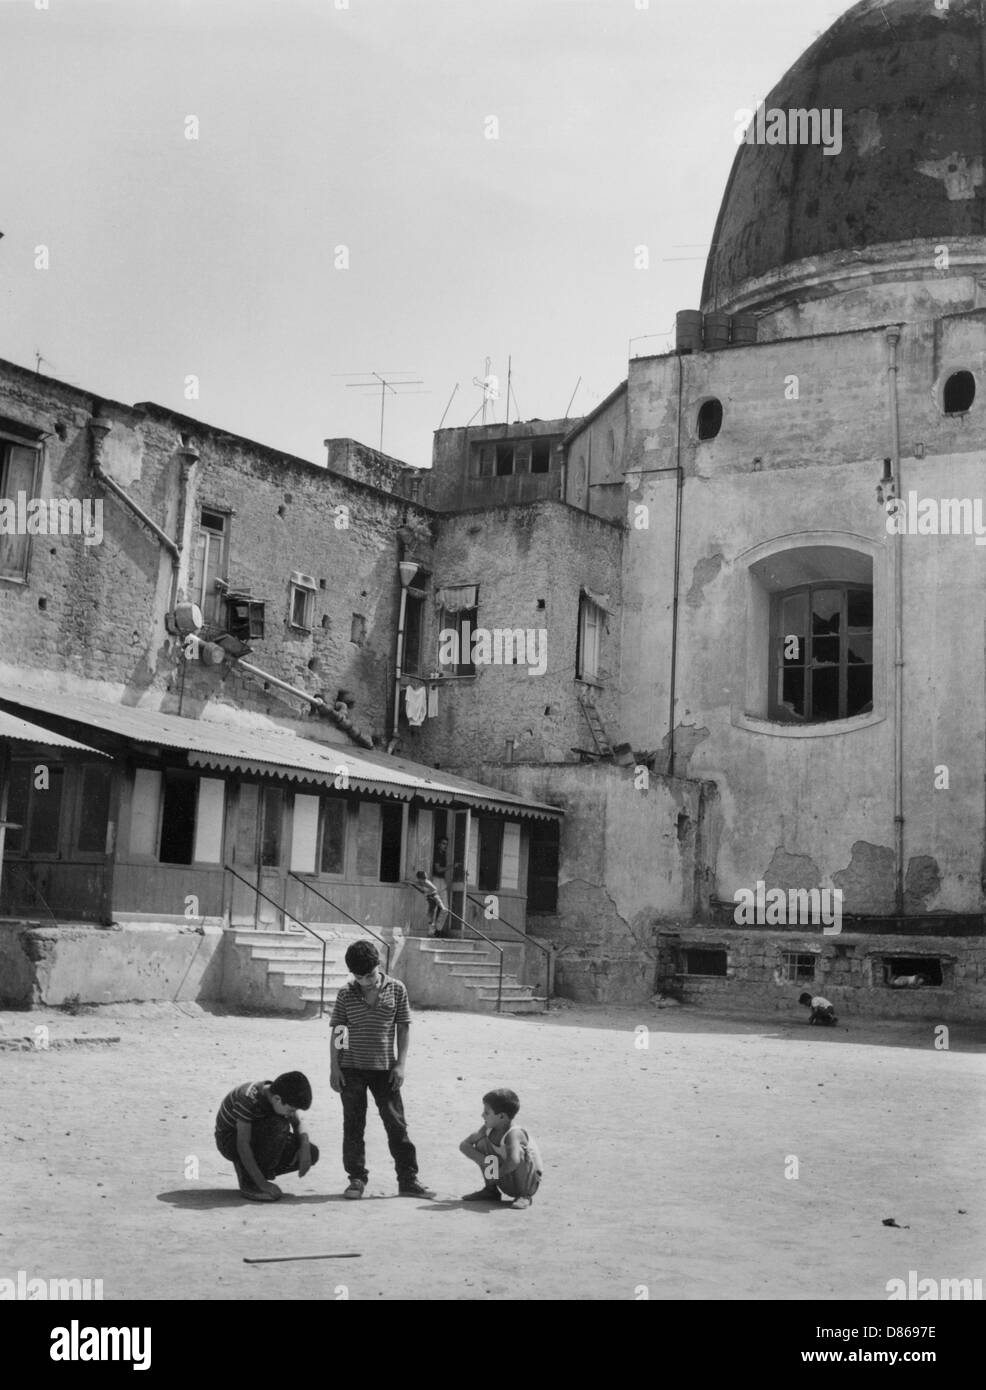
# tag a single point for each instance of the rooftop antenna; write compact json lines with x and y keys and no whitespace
{"x":388,"y":381}
{"x":491,"y":390}
{"x":577,"y":385}
{"x":450,"y":400}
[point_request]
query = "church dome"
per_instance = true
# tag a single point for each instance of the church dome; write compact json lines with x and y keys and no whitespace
{"x":910,"y":82}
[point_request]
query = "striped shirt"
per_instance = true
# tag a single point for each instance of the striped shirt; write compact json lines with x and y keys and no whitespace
{"x":371,"y":1036}
{"x":247,"y":1104}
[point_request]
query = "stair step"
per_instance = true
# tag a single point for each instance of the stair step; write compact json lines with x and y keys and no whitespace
{"x":295,"y":979}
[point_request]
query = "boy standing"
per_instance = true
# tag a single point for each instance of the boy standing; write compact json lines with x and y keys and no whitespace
{"x":821,"y":1011}
{"x":368,"y":1015}
{"x":259,"y":1130}
{"x":507,"y":1154}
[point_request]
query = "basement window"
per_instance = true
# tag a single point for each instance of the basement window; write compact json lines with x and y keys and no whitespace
{"x":959,"y":393}
{"x":911,"y":972}
{"x":700,"y":960}
{"x":798,"y":968}
{"x":709,"y":419}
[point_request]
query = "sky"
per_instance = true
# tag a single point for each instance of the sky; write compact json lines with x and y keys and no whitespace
{"x":406,"y":187}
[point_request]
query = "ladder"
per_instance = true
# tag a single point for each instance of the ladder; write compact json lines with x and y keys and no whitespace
{"x":599,"y":738}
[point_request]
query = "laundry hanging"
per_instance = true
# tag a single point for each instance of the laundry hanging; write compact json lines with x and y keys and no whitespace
{"x":416,"y":703}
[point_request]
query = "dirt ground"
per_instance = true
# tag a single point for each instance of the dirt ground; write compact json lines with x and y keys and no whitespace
{"x":665,"y":1165}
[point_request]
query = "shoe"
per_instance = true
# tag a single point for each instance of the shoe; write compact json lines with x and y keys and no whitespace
{"x":252,"y":1195}
{"x":519,"y":1203}
{"x":412,"y":1188}
{"x":355,"y":1189}
{"x":485,"y":1194}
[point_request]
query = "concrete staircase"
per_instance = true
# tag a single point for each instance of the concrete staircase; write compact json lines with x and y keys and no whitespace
{"x":463,"y":975}
{"x":279,"y":972}
{"x":285,"y":967}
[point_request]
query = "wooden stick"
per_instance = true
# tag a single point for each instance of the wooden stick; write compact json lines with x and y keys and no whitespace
{"x":283,"y":1259}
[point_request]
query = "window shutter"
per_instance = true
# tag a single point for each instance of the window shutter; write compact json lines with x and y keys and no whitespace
{"x":510,"y":861}
{"x":304,"y":834}
{"x":144,"y":811}
{"x":209,"y":821}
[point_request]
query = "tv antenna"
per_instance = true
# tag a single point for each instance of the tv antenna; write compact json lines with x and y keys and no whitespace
{"x":384,"y":382}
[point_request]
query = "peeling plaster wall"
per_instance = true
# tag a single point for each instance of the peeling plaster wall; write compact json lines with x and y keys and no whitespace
{"x":628,"y":862}
{"x":804,"y":471}
{"x":104,"y":616}
{"x":518,"y":556}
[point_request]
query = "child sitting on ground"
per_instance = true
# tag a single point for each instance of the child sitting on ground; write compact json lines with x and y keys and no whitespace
{"x":507,"y":1154}
{"x":436,"y":907}
{"x":259,"y":1130}
{"x":821,"y":1010}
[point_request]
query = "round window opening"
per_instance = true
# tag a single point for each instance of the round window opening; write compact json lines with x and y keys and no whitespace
{"x":959,"y":393}
{"x":710,"y":419}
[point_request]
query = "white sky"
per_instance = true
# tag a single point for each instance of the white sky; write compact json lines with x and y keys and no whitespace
{"x":364,"y":126}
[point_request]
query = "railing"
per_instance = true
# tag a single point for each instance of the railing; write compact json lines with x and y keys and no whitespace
{"x":336,"y":908}
{"x":546,"y":949}
{"x":499,"y":981}
{"x":320,"y":939}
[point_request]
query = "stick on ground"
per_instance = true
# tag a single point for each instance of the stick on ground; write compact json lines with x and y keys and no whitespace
{"x":284,"y":1259}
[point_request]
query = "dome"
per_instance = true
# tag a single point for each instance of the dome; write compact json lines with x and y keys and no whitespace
{"x":909,"y":81}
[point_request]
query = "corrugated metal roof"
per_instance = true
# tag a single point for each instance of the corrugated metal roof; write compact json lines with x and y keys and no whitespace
{"x":274,"y":751}
{"x":23,"y":732}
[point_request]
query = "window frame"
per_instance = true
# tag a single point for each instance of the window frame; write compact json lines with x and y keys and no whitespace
{"x":582,"y":673}
{"x":775,"y":686}
{"x":323,"y":804}
{"x":8,"y":442}
{"x":305,"y":586}
{"x":457,"y":620}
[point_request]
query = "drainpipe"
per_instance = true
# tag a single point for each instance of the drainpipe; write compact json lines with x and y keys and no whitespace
{"x":893,"y":338}
{"x":679,"y":491}
{"x":407,"y":569}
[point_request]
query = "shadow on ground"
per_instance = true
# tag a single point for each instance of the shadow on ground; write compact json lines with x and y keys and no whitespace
{"x":206,"y":1198}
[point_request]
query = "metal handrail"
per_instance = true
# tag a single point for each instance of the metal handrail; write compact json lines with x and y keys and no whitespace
{"x":546,"y":949}
{"x":320,"y":939}
{"x":499,"y":982}
{"x":337,"y":908}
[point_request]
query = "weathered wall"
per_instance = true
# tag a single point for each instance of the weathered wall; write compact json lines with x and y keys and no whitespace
{"x":98,"y":611}
{"x":529,"y":563}
{"x":100,"y":965}
{"x":596,"y":455}
{"x":813,"y":806}
{"x":452,"y":483}
{"x":628,"y":862}
{"x":848,"y":972}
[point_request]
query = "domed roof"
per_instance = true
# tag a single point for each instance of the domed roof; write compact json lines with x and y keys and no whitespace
{"x":909,"y":81}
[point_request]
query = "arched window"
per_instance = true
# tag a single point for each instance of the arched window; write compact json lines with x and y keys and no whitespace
{"x":821,"y":652}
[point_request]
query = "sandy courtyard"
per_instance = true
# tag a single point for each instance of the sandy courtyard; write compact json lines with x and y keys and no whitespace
{"x":665,"y":1165}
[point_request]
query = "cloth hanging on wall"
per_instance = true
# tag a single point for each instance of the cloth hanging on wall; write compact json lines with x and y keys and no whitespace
{"x":416,"y":703}
{"x":457,"y":597}
{"x":432,"y":701}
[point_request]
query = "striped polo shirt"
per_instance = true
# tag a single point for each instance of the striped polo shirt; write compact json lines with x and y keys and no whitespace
{"x":247,"y":1103}
{"x":371,"y":1031}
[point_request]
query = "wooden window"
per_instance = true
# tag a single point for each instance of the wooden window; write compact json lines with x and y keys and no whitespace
{"x":210,"y":563}
{"x":19,"y":469}
{"x":589,"y":639}
{"x":822,"y":653}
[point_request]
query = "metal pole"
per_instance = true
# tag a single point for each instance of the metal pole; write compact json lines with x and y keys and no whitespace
{"x":465,"y":863}
{"x":4,"y":784}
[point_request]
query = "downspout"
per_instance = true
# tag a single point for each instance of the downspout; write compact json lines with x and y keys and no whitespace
{"x":893,"y":338}
{"x":398,"y":665}
{"x":679,"y":486}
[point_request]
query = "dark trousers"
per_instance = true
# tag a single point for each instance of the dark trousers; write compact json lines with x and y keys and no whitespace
{"x":391,"y":1108}
{"x":275,"y":1147}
